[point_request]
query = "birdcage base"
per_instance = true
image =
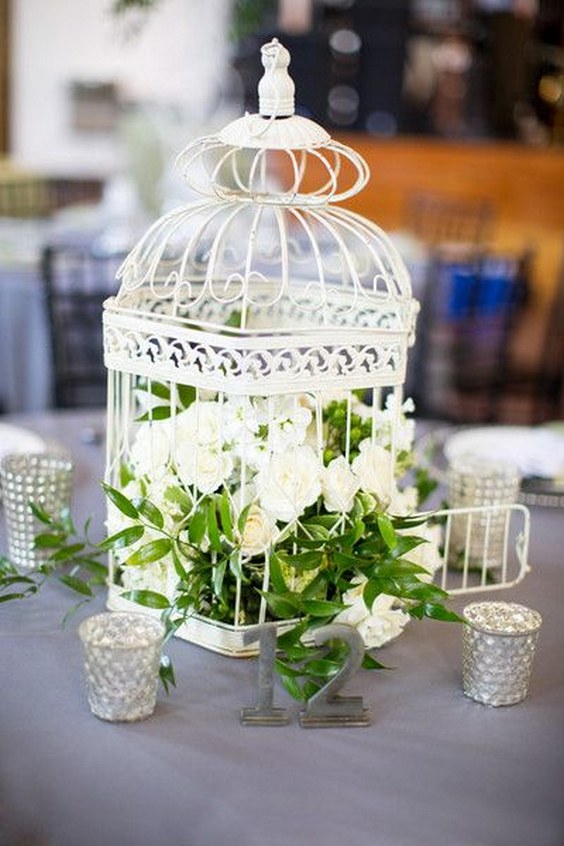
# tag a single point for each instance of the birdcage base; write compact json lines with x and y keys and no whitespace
{"x":211,"y":634}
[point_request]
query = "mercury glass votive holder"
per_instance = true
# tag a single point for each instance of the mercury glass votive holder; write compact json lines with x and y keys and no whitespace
{"x":122,"y":653}
{"x":498,"y":647}
{"x":475,"y":482}
{"x":43,"y":478}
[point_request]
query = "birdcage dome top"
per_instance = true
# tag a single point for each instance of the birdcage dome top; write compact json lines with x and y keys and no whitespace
{"x":266,"y":249}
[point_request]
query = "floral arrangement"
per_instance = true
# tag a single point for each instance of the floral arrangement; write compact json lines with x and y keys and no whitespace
{"x":294,"y":503}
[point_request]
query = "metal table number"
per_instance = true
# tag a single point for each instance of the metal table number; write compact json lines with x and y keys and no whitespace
{"x":264,"y":714}
{"x":326,"y":708}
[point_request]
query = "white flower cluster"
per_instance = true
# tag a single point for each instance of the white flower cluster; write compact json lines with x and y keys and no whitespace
{"x":267,"y":454}
{"x":276,"y":440}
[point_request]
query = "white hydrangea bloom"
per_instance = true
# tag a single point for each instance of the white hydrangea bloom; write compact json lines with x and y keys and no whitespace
{"x":287,"y":418}
{"x":158,"y":576}
{"x":240,"y":420}
{"x":150,"y":450}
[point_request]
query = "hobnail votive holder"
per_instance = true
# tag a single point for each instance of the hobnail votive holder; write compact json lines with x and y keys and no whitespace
{"x":122,"y":653}
{"x":43,"y":478}
{"x":475,"y":482}
{"x":498,"y":647}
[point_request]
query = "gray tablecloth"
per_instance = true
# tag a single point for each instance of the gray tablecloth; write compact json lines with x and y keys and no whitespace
{"x":434,"y":769}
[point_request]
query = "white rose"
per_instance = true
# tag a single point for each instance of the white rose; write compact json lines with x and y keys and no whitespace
{"x":240,"y":423}
{"x":207,"y":467}
{"x":289,"y":483}
{"x":373,"y":469}
{"x":259,"y":532}
{"x":376,"y":625}
{"x":339,"y":485}
{"x":150,"y":450}
{"x":201,"y":423}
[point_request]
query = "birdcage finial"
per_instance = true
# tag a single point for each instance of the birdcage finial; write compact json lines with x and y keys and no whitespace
{"x":276,"y":88}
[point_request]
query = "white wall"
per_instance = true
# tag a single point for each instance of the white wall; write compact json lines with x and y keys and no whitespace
{"x":179,"y":57}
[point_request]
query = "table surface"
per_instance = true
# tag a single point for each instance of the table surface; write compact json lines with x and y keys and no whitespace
{"x":434,"y":768}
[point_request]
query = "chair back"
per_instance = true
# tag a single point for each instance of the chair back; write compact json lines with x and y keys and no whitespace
{"x":77,"y":280}
{"x":435,"y":219}
{"x":464,"y":331}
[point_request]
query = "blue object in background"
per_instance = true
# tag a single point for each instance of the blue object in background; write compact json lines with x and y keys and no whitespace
{"x":470,"y":289}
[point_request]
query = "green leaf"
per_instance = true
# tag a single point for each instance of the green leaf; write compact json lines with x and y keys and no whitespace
{"x":213,"y":530}
{"x":370,"y":663}
{"x":276,"y":577}
{"x":387,"y":530}
{"x":235,"y":566}
{"x":328,"y":521}
{"x":178,"y":496}
{"x":224,"y":508}
{"x":291,"y":685}
{"x":346,"y":561}
{"x":123,"y":538}
{"x":397,"y":569}
{"x":76,"y":584}
{"x":7,"y":597}
{"x":243,"y":517}
{"x":121,"y":502}
{"x":40,"y":514}
{"x":152,"y":551}
{"x":234,"y":319}
{"x":292,"y":636}
{"x":436,"y":611}
{"x":159,"y":412}
{"x":157,"y":389}
{"x":48,"y":541}
{"x":317,"y":533}
{"x":323,"y":667}
{"x":178,"y":565}
{"x":197,"y":526}
{"x":372,"y":589}
{"x":285,"y":606}
{"x":166,"y":674}
{"x":126,"y":475}
{"x":150,"y":511}
{"x":8,"y":581}
{"x":304,"y":561}
{"x":322,"y":607}
{"x":67,"y":552}
{"x":147,"y":598}
{"x":95,"y":567}
{"x":186,"y":395}
{"x":218,"y":576}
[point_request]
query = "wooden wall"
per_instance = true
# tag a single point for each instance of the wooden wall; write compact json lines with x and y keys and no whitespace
{"x":525,"y":185}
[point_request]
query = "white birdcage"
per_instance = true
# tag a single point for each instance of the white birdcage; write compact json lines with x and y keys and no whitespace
{"x":244,"y":324}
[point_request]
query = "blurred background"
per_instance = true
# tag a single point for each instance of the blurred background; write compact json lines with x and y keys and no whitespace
{"x":457,"y":106}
